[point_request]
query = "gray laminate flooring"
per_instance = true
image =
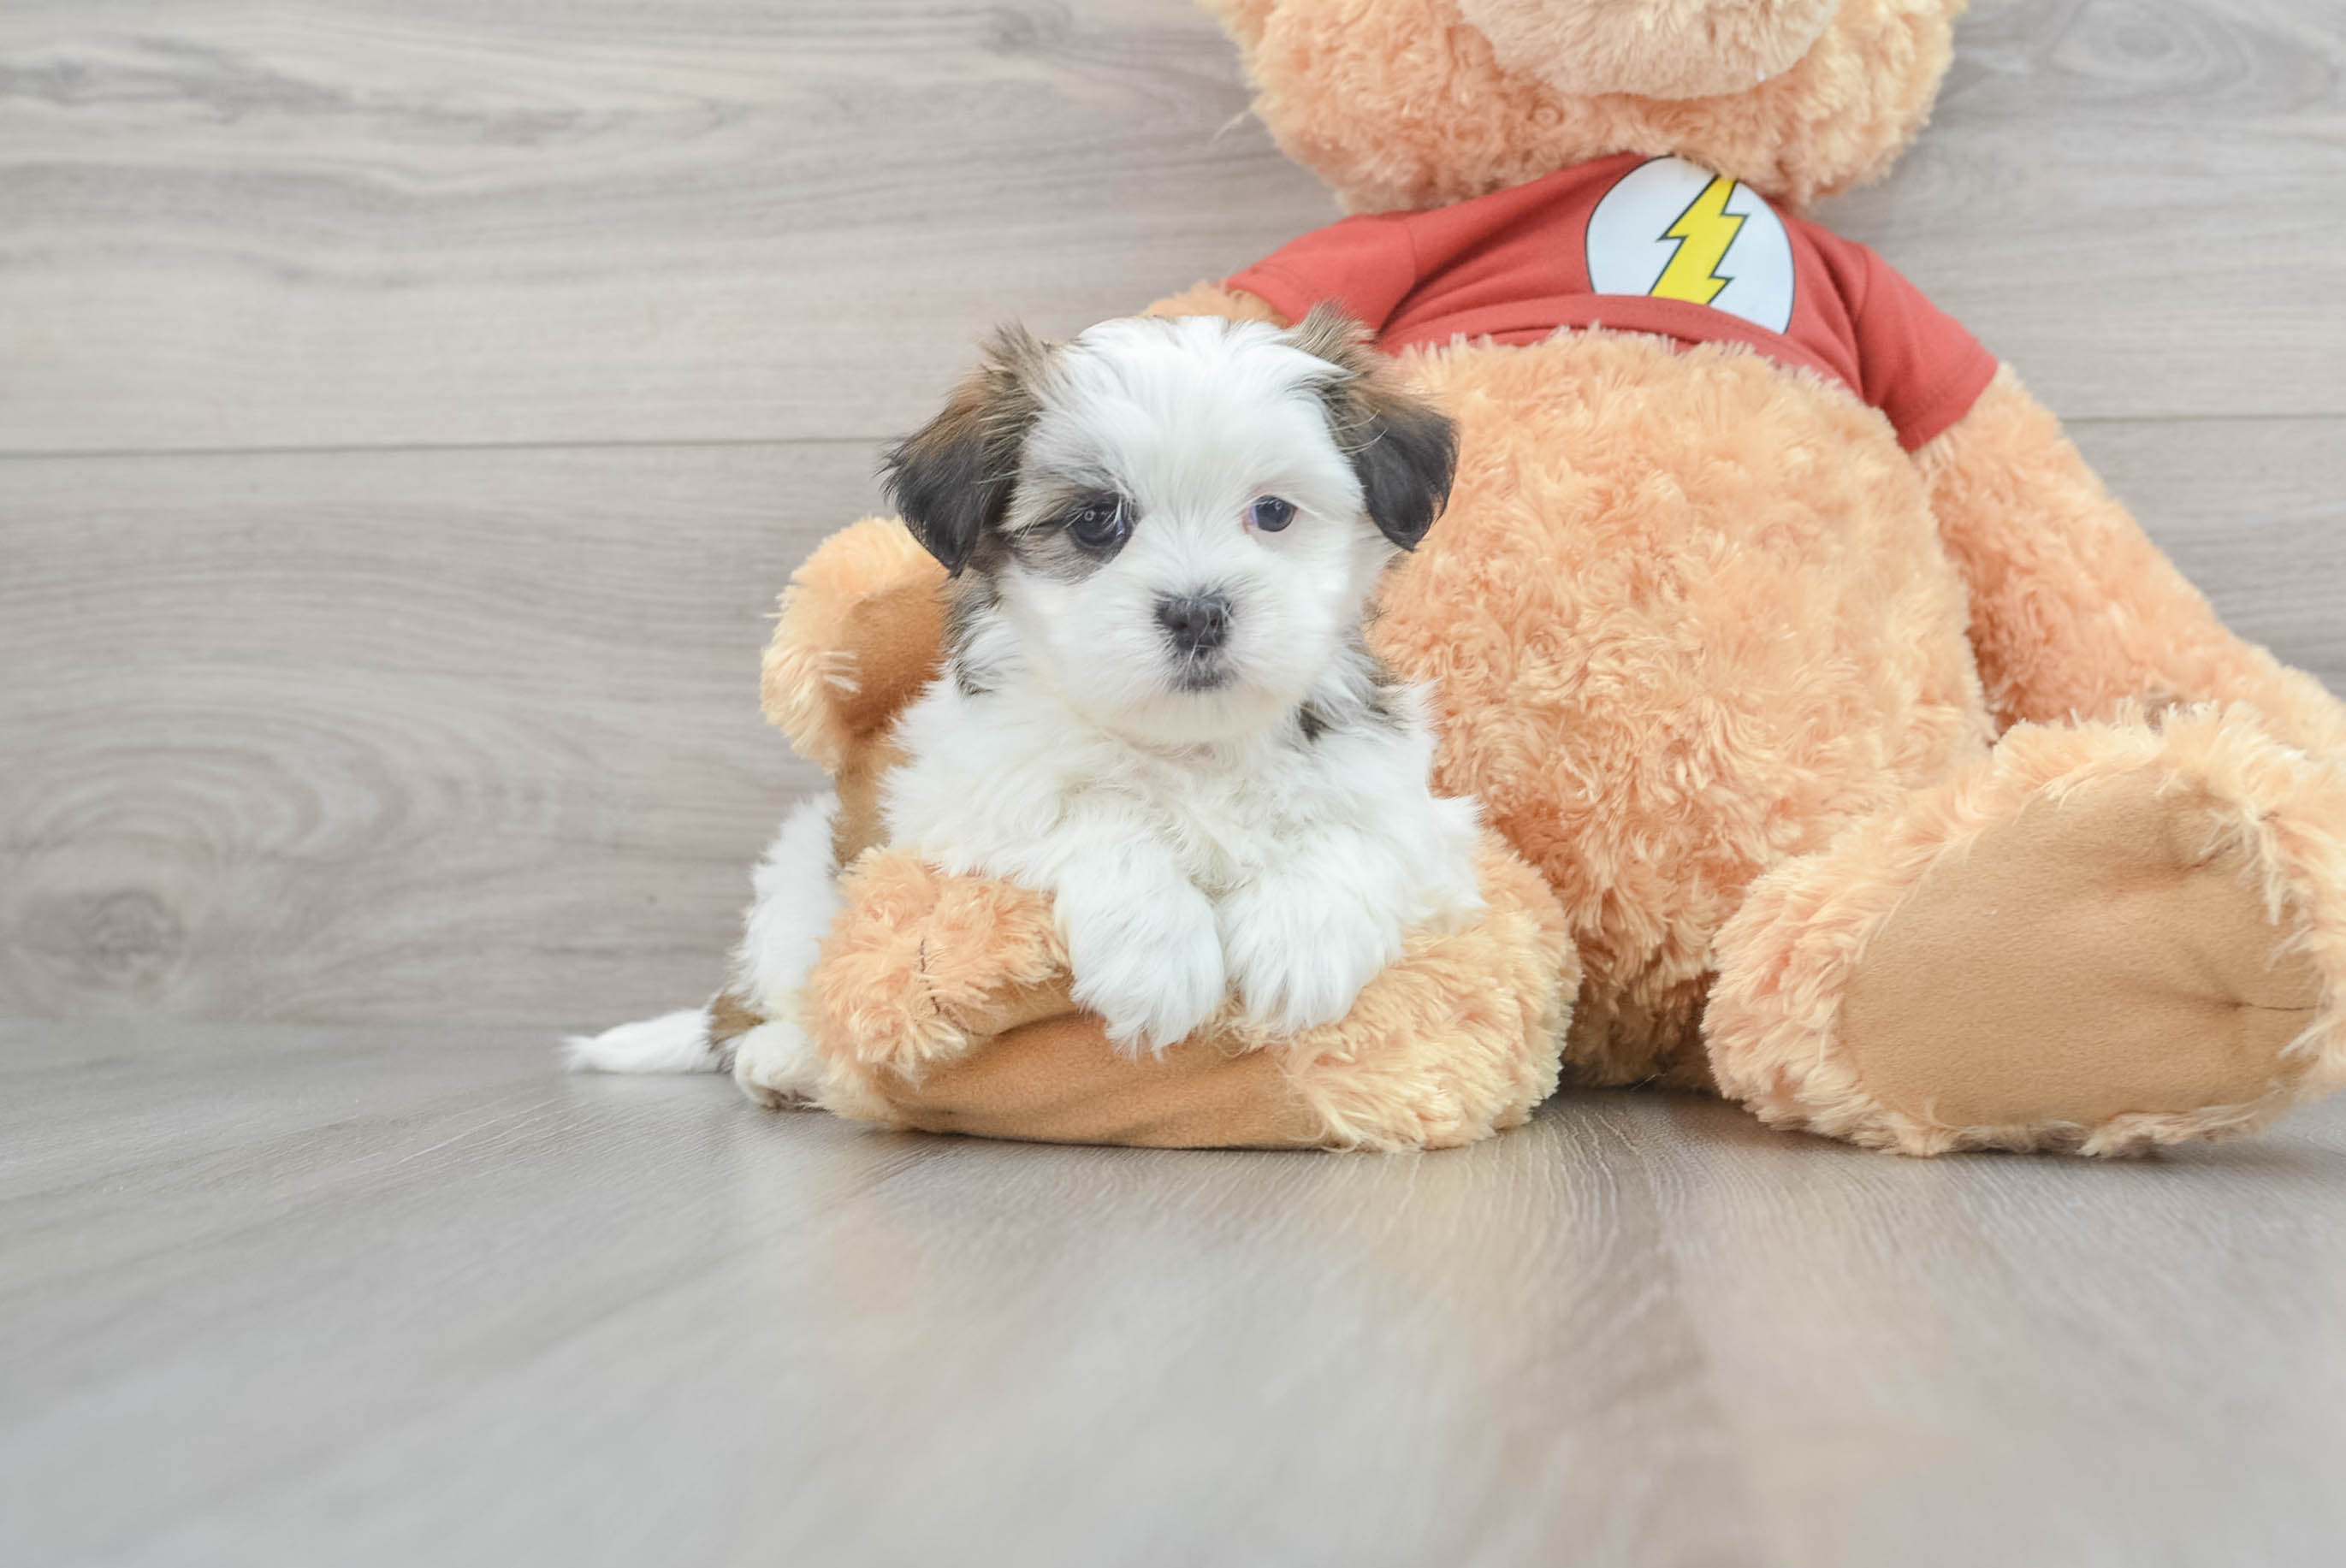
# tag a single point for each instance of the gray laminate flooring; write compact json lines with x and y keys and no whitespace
{"x":384,"y":1296}
{"x":408,"y":410}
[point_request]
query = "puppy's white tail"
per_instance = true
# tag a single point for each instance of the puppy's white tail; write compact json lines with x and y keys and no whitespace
{"x":797,"y":899}
{"x":673,"y":1043}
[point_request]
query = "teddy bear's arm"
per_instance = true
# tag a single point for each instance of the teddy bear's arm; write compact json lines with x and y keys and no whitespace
{"x":943,"y":1002}
{"x":2074,"y":610}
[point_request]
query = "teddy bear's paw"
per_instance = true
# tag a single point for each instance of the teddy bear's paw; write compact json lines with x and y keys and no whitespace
{"x":2103,"y":954}
{"x":2103,"y":939}
{"x":1150,"y":967}
{"x":777,"y":1065}
{"x":921,"y":965}
{"x":1298,"y":957}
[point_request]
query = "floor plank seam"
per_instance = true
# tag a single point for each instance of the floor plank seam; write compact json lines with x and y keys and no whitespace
{"x":425,"y":448}
{"x":871,"y":438}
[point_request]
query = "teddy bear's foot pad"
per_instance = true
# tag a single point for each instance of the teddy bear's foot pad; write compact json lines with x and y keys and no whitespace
{"x":2101,"y":964}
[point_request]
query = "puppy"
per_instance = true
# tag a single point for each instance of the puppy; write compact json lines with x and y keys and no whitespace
{"x":1156,"y":706}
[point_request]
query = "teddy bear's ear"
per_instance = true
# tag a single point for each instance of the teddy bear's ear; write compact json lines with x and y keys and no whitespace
{"x":1650,"y":48}
{"x":952,"y":479}
{"x":1404,"y":450}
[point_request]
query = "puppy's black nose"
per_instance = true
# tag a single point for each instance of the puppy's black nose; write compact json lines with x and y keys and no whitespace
{"x":1198,"y":623}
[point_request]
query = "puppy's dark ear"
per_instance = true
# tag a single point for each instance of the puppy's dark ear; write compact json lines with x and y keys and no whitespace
{"x":952,"y":480}
{"x":1404,"y":448}
{"x":1407,"y":464}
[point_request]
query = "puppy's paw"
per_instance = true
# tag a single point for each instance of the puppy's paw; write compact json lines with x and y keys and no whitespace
{"x":776,"y":1065}
{"x":1300,"y":956}
{"x":1150,"y":965}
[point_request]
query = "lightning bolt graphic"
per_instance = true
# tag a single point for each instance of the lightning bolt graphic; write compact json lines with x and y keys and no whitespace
{"x":1705,"y":232}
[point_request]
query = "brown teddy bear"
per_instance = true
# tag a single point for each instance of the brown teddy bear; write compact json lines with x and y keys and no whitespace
{"x":1876,"y":770}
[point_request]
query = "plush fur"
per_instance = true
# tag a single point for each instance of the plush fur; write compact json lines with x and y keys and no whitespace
{"x":942,"y":1003}
{"x":2260,"y":814}
{"x":1668,"y":49}
{"x":1156,"y":709}
{"x":1404,"y":103}
{"x":2074,"y":611}
{"x":1156,"y":706}
{"x":857,"y":635}
{"x":1689,"y":615}
{"x":1914,"y":800}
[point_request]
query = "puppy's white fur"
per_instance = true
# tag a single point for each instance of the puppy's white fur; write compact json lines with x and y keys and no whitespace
{"x":1257,"y":819}
{"x":795,"y":897}
{"x":1289,"y":872}
{"x":1193,"y":841}
{"x":672,"y":1042}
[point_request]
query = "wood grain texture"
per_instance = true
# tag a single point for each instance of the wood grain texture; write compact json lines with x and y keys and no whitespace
{"x":504,"y":359}
{"x":386,"y":223}
{"x":372,"y":222}
{"x":2253,"y":511}
{"x":385,"y":731}
{"x":473,"y":736}
{"x":394,"y":1297}
{"x":444,"y":735}
{"x":2135,"y":202}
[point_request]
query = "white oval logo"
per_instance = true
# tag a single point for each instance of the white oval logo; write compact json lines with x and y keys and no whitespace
{"x":1674,"y":230}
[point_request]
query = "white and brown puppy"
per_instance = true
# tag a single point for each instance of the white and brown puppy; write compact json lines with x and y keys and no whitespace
{"x":1158,"y":705}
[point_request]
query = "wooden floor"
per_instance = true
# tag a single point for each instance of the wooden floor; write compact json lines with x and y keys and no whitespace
{"x":408,"y":410}
{"x":401,"y":1296}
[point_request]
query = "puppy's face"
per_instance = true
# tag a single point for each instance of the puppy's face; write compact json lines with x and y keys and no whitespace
{"x":1175,"y":523}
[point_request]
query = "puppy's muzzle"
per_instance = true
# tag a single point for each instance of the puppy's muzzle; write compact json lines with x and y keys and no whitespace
{"x":1196,"y":623}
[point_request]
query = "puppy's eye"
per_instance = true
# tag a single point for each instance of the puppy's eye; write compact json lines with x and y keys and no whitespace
{"x":1099,"y":525}
{"x":1270,"y":514}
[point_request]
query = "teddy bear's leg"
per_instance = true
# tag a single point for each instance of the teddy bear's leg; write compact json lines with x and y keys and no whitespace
{"x":2074,"y":609}
{"x":2097,"y":938}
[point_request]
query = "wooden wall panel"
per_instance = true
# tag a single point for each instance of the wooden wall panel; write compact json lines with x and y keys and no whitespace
{"x":368,"y":223}
{"x":415,"y":406}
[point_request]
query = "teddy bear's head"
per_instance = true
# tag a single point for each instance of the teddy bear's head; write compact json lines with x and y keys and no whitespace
{"x":1413,"y":104}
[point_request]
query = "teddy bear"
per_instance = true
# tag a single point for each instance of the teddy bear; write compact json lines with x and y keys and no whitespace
{"x":1847,"y":750}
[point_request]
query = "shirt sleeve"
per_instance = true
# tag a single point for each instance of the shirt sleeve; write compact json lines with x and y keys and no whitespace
{"x":1367,"y":264}
{"x":1916,"y":364}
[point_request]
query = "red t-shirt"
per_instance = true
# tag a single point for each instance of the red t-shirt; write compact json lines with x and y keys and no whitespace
{"x":1640,"y":245}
